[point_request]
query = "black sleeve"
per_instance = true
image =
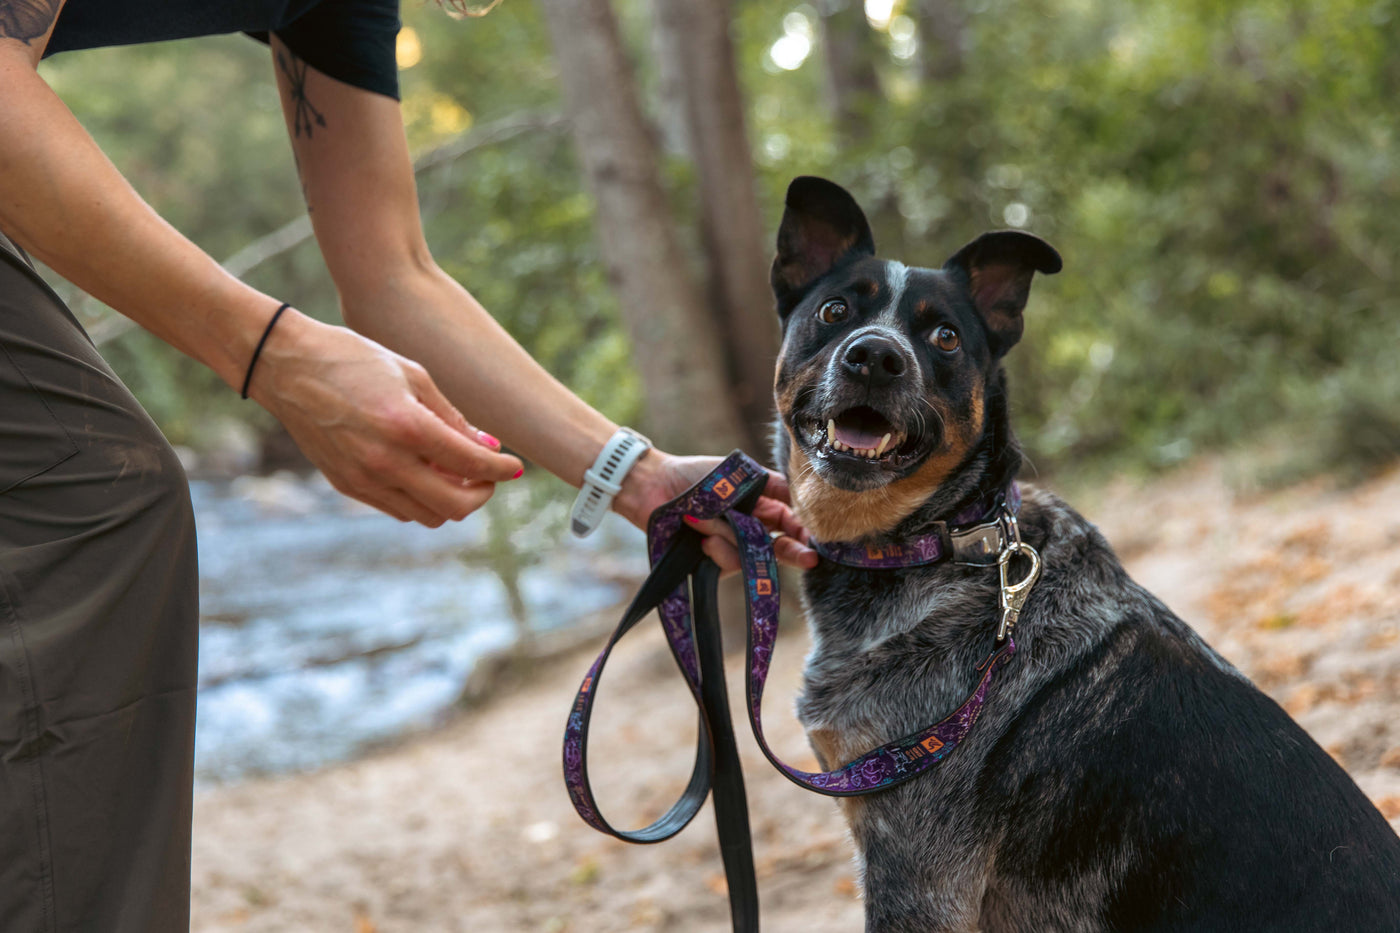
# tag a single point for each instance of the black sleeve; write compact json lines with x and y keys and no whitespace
{"x":350,"y":40}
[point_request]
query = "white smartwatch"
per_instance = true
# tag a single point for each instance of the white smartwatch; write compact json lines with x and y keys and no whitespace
{"x":603,"y":480}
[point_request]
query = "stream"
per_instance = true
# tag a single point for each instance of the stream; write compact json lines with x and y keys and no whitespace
{"x":327,"y":628}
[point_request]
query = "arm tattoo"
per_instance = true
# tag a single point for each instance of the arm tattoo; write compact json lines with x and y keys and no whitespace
{"x":305,"y":115}
{"x":26,"y":19}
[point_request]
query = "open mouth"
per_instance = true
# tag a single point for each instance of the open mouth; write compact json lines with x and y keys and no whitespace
{"x":861,"y":434}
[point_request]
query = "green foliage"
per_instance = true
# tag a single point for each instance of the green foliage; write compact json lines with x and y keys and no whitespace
{"x":1219,"y":177}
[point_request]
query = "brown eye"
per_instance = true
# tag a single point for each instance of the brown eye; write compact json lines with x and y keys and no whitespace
{"x":945,"y":338}
{"x":833,"y":311}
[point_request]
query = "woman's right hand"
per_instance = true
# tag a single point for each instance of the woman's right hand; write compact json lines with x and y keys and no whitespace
{"x":375,"y":424}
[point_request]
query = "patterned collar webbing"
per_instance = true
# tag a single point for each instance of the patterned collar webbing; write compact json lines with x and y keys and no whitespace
{"x":975,"y":535}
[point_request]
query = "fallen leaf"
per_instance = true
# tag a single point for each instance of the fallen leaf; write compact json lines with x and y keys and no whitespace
{"x":647,"y":914}
{"x":1282,"y":668}
{"x":1383,"y":639}
{"x":845,"y":886}
{"x":586,"y":871}
{"x":1303,"y":699}
{"x":1313,"y":568}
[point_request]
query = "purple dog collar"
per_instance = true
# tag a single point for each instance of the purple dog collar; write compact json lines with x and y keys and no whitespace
{"x":977,"y":535}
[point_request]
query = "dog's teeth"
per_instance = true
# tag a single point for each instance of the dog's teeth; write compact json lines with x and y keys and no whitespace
{"x":831,"y":431}
{"x":883,"y":441}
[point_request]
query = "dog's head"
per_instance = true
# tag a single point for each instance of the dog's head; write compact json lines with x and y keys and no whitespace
{"x":889,"y":384}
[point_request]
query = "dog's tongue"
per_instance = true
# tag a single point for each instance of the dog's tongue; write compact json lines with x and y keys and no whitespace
{"x":858,"y":438}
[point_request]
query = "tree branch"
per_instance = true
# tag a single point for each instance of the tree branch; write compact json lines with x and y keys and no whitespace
{"x":295,"y":232}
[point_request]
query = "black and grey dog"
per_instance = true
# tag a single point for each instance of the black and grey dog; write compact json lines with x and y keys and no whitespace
{"x":1122,"y":775}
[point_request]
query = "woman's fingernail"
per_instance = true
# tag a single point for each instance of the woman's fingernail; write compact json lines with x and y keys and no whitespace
{"x":692,"y":519}
{"x":519,"y":473}
{"x":488,"y":440}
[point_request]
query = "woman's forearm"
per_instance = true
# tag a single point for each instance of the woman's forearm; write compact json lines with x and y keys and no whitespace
{"x":427,"y":316}
{"x":371,"y":420}
{"x":67,"y":204}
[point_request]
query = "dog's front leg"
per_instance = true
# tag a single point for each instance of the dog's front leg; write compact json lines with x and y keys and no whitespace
{"x":919,"y":884}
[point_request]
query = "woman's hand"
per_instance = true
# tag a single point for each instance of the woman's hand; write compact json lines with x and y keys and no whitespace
{"x":375,"y":424}
{"x":659,"y":477}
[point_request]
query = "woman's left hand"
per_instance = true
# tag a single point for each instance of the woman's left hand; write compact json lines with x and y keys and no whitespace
{"x":659,"y":477}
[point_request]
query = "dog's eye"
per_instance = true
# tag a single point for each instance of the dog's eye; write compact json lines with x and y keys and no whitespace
{"x":832,"y":312}
{"x":945,"y":338}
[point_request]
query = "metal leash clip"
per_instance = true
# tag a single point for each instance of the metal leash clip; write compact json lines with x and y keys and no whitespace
{"x":1013,"y":595}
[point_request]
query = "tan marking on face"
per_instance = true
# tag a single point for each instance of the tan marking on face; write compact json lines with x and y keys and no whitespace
{"x":833,"y":514}
{"x":784,"y":395}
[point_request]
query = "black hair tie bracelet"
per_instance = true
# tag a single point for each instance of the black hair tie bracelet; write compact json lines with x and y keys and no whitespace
{"x":248,"y":378}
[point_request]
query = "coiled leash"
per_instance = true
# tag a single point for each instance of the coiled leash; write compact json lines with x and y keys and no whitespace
{"x":681,"y":571}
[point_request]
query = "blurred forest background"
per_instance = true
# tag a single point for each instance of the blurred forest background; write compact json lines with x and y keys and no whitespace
{"x":1221,"y":179}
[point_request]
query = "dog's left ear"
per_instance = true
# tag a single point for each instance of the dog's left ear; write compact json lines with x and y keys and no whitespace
{"x":823,"y":227}
{"x":999,"y":267}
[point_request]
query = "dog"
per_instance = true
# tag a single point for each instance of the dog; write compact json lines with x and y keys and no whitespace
{"x":1122,"y":775}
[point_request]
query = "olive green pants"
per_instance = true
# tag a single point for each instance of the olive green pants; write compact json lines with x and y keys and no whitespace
{"x":98,"y":636}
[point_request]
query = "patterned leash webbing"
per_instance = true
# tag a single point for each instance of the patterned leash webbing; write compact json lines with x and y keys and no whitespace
{"x":679,"y":568}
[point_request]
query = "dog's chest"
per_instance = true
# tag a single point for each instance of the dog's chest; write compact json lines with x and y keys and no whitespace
{"x":890,"y":653}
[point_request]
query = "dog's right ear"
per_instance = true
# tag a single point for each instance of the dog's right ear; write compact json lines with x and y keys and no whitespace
{"x":822,"y":228}
{"x":999,"y":267}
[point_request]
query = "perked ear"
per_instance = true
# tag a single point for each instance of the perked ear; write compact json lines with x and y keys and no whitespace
{"x":822,"y":228}
{"x":999,"y":267}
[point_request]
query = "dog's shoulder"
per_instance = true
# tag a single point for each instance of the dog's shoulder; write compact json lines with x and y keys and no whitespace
{"x":1136,"y":748}
{"x":1146,"y":767}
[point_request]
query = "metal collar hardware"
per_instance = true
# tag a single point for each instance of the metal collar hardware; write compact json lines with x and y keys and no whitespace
{"x":1013,"y":595}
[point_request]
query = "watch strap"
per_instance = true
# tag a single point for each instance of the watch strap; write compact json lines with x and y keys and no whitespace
{"x":603,"y":481}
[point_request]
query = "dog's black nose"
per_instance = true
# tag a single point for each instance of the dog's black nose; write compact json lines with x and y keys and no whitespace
{"x":874,"y":359}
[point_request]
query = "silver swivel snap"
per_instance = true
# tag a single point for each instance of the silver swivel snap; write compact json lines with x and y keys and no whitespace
{"x":1013,"y":595}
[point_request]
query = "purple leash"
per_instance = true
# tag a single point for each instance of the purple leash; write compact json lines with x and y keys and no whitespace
{"x":679,"y":568}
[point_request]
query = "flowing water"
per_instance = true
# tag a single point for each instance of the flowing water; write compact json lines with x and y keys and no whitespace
{"x":327,"y":627}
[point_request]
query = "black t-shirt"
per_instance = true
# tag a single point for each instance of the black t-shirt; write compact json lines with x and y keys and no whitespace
{"x":350,"y":40}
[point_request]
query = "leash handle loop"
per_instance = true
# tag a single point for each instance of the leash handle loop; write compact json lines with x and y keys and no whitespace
{"x":678,"y":565}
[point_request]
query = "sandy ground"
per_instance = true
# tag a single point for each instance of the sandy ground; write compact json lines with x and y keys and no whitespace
{"x":469,"y":828}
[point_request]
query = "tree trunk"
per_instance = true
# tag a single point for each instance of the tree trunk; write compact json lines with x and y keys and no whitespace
{"x":941,"y":24}
{"x":851,"y":49}
{"x":675,"y":343}
{"x":667,"y":105}
{"x":852,"y":82}
{"x":695,"y":35}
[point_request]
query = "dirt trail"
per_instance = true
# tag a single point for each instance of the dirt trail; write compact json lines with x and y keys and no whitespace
{"x":469,"y":828}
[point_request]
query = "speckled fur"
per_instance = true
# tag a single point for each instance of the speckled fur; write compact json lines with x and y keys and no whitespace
{"x":1122,"y":776}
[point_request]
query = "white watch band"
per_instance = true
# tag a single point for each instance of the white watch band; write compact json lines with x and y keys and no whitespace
{"x":603,"y":480}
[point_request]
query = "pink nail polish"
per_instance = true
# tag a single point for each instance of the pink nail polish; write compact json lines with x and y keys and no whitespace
{"x":692,"y":519}
{"x":519,"y":473}
{"x":488,"y":440}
